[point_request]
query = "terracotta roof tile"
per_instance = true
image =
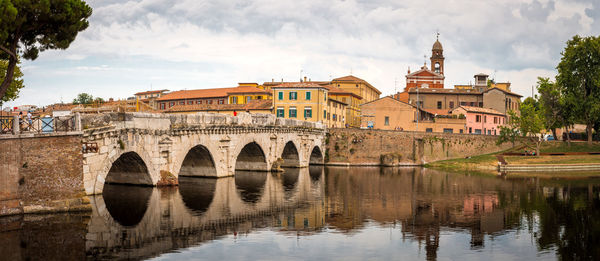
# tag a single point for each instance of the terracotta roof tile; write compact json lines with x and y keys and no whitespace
{"x":211,"y":93}
{"x":437,"y":111}
{"x":252,"y":105}
{"x":149,"y":92}
{"x":480,"y":110}
{"x":299,"y":85}
{"x":339,"y":91}
{"x":351,"y":78}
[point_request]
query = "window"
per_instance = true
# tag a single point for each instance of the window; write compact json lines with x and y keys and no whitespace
{"x":190,"y":102}
{"x":463,"y":103}
{"x":162,"y":106}
{"x":259,"y":97}
{"x":292,"y":112}
{"x":495,"y":120}
{"x":209,"y":102}
{"x":480,"y":104}
{"x":461,"y":131}
{"x":171,"y":104}
{"x":307,"y":112}
{"x":448,"y":131}
{"x":221,"y":101}
{"x":387,"y":121}
{"x":199,"y":101}
{"x":477,"y":131}
{"x":429,"y":130}
{"x":328,"y":116}
{"x":308,"y":96}
{"x":280,"y":112}
{"x":334,"y":117}
{"x":280,"y":96}
{"x":439,"y":104}
{"x":451,"y":105}
{"x":234,"y":100}
{"x":477,"y":118}
{"x":293,"y":95}
{"x":324,"y":114}
{"x":325,"y":97}
{"x":502,"y":120}
{"x":182,"y":103}
{"x":470,"y":130}
{"x":248,"y":99}
{"x":485,"y":118}
{"x":472,"y":103}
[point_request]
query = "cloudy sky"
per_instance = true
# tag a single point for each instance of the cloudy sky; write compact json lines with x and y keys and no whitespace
{"x":136,"y":45}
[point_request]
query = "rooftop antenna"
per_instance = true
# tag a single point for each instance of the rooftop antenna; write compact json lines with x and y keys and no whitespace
{"x":424,"y":60}
{"x":350,"y":70}
{"x":301,"y":71}
{"x":395,"y":85}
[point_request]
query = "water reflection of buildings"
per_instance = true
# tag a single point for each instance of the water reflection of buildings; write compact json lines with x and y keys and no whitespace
{"x":423,"y":201}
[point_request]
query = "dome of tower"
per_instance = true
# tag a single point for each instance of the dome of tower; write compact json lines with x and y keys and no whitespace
{"x":437,"y":46}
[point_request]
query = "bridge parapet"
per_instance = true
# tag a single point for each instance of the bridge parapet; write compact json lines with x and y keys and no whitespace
{"x":157,"y":121}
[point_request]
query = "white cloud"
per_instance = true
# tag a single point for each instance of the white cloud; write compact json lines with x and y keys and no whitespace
{"x":219,"y":43}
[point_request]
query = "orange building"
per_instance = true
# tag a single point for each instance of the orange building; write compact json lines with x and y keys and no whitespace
{"x":235,"y":95}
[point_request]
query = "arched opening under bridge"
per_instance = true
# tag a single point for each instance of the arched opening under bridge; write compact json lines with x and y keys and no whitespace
{"x":316,"y":156}
{"x":251,"y":158}
{"x":198,"y":162}
{"x":290,"y":156}
{"x":129,"y":169}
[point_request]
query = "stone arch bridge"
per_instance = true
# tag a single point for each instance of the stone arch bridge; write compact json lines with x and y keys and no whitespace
{"x":154,"y":149}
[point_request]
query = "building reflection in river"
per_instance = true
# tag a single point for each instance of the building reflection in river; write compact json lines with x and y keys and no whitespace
{"x":137,"y":222}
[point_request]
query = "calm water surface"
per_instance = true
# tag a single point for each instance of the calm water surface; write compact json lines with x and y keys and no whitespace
{"x":324,"y":214}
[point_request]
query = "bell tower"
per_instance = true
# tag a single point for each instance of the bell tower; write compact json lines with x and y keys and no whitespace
{"x":437,"y":56}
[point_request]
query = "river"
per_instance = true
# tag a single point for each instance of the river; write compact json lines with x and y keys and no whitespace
{"x":324,"y":213}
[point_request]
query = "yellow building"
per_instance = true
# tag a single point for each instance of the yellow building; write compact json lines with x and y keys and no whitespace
{"x":357,"y":86}
{"x":308,"y":101}
{"x":353,"y":102}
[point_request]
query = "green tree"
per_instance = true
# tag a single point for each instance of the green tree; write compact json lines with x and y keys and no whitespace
{"x":28,"y":27}
{"x":530,"y":122}
{"x":550,"y":105}
{"x":579,"y":74}
{"x":15,"y":86}
{"x":83,"y":98}
{"x":510,"y":131}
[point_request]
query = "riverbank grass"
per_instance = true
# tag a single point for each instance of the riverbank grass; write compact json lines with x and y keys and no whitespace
{"x":481,"y":163}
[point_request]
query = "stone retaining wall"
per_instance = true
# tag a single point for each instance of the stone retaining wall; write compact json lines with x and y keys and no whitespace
{"x":41,"y":173}
{"x":397,"y":148}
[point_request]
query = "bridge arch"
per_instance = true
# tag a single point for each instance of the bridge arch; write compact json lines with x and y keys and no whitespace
{"x":250,"y":157}
{"x":198,"y":162}
{"x":290,"y":155}
{"x":130,"y":167}
{"x":316,"y":156}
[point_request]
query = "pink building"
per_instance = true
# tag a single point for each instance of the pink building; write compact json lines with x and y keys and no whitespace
{"x":481,"y":120}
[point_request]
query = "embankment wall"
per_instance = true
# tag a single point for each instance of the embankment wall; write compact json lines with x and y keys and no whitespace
{"x":396,"y":148}
{"x":39,"y":172}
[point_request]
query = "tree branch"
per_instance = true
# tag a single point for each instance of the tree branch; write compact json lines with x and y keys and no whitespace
{"x":13,"y":54}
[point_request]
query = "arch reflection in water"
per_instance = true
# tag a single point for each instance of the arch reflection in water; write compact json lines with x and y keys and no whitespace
{"x":315,"y":172}
{"x":289,"y":180}
{"x":197,"y":193}
{"x":126,"y":204}
{"x":129,"y":168}
{"x":250,"y":185}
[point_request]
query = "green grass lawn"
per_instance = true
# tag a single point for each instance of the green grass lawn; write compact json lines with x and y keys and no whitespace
{"x":560,"y":146}
{"x":567,"y":159}
{"x":486,"y":162}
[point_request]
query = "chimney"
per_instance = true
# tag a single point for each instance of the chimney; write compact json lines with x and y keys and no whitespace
{"x":272,"y":79}
{"x":305,"y":78}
